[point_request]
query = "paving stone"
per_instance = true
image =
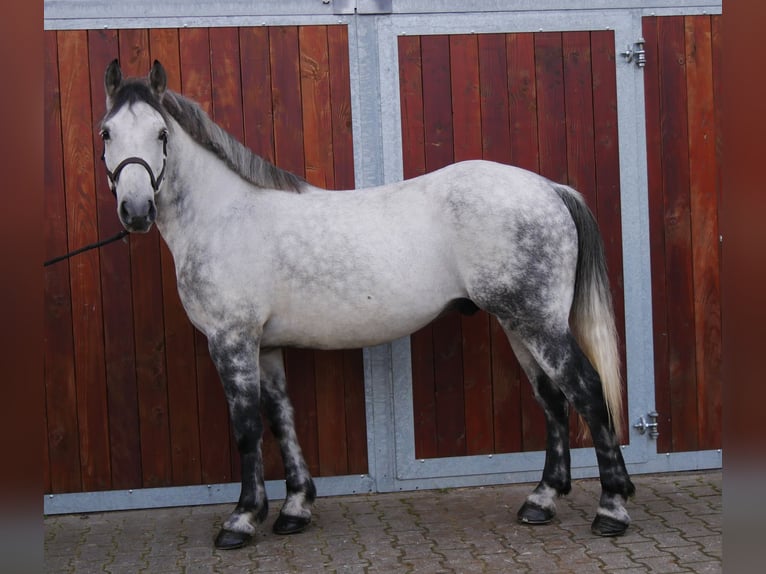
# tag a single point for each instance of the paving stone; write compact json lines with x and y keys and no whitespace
{"x":676,"y":528}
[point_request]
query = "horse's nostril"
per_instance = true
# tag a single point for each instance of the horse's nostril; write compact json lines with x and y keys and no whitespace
{"x":152,"y":211}
{"x":124,"y":211}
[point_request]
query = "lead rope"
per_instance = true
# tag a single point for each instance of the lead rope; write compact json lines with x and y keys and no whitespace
{"x":112,"y":239}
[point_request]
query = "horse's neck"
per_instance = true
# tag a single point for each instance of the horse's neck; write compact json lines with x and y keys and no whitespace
{"x":197,"y":183}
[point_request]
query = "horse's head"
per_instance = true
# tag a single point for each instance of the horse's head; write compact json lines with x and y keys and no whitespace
{"x":135,"y":134}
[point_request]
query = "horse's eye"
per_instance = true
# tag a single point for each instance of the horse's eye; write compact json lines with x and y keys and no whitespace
{"x":105,"y":135}
{"x":164,"y":135}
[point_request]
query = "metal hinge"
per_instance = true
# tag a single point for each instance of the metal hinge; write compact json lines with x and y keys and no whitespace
{"x":651,"y":425}
{"x":635,"y":53}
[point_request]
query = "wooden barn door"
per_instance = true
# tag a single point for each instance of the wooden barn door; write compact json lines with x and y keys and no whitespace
{"x":683,"y":127}
{"x":132,"y":398}
{"x":545,"y":101}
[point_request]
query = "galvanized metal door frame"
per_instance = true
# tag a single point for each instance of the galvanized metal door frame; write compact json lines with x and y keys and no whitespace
{"x":392,"y":425}
{"x":373,"y":28}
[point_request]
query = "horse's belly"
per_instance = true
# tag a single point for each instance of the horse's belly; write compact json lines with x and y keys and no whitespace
{"x":349,"y":327}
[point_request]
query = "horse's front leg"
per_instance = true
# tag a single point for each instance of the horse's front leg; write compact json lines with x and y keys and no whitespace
{"x":296,"y":511}
{"x":235,"y":355}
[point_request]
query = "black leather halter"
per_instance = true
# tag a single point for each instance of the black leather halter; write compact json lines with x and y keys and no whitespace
{"x":156,"y":182}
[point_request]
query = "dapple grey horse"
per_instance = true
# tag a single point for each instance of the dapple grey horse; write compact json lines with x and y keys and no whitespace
{"x":265,"y":261}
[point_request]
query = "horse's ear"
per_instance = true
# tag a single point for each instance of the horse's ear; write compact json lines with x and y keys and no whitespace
{"x":112,"y":80}
{"x":158,"y":79}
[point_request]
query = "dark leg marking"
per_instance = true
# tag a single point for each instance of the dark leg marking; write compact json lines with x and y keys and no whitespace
{"x":581,"y":385}
{"x":295,"y":514}
{"x":236,"y":358}
{"x":540,"y":506}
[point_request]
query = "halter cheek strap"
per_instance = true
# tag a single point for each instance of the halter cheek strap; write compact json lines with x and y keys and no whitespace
{"x":115,"y":175}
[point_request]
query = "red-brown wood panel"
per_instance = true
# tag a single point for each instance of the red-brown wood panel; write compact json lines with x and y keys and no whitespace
{"x":704,"y":226}
{"x":87,"y":319}
{"x":179,"y":332}
{"x":119,"y":345}
{"x":677,"y":222}
{"x":541,"y":101}
{"x":684,"y":155}
{"x":62,"y":436}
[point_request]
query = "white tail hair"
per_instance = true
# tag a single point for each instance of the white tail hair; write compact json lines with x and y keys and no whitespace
{"x":592,"y":315}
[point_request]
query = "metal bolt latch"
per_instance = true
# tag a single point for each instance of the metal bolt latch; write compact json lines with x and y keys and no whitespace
{"x":635,"y":53}
{"x":651,"y":425}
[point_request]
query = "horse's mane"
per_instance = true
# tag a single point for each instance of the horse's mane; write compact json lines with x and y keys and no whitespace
{"x":195,"y":122}
{"x":251,"y":167}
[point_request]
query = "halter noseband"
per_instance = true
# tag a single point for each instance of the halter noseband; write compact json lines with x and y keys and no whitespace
{"x":115,"y":175}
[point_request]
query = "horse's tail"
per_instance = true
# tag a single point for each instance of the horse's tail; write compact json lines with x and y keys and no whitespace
{"x":592,"y":315}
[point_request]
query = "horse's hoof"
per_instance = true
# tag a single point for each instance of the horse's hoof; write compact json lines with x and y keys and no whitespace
{"x":531,"y":513}
{"x":285,"y":524}
{"x":607,"y":526}
{"x":229,"y":540}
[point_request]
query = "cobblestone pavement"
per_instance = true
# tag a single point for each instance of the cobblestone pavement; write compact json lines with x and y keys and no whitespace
{"x":677,"y":521}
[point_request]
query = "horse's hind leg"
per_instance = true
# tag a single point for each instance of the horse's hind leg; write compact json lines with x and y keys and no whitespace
{"x":296,"y":511}
{"x":236,"y":358}
{"x":540,"y":506}
{"x":561,"y":358}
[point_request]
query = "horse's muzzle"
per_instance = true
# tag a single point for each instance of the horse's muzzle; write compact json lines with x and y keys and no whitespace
{"x":137,"y":217}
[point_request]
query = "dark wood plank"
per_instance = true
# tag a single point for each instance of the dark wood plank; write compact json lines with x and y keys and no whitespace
{"x":522,"y":100}
{"x":119,"y":342}
{"x":551,"y":106}
{"x":256,"y":91}
{"x":62,"y":434}
{"x":447,"y":338}
{"x":215,"y":438}
{"x":607,"y":160}
{"x":331,"y":413}
{"x":179,"y":333}
{"x":87,"y":319}
{"x":715,"y":398}
{"x":411,"y":94}
{"x":356,"y":416}
{"x":466,"y":99}
{"x":495,"y":107}
{"x":579,"y":145}
{"x":704,"y":228}
{"x":148,"y":320}
{"x":286,"y":93}
{"x":340,"y":95}
{"x":657,"y":231}
{"x":678,"y":257}
{"x":468,"y":138}
{"x":315,"y":102}
{"x":414,"y":164}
